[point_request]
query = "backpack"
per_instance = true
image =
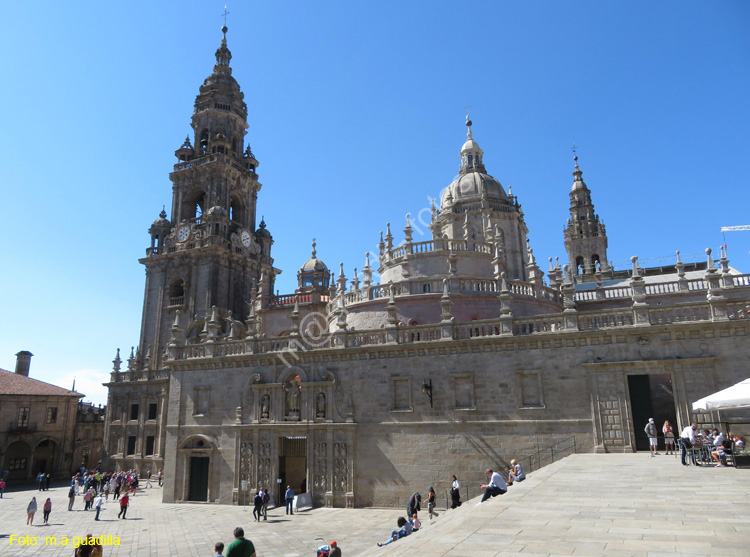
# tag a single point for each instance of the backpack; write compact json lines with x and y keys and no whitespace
{"x":266,"y":498}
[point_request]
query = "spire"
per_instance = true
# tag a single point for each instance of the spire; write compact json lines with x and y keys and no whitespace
{"x":578,"y":183}
{"x":471,"y":154}
{"x":223,"y":56}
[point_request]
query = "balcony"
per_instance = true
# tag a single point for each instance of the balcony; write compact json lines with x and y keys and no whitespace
{"x":13,"y":427}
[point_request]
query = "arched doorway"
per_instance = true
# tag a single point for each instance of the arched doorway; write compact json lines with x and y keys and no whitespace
{"x":196,"y":456}
{"x":18,"y":460}
{"x":44,"y":457}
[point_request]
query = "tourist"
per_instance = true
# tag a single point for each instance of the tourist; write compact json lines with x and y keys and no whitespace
{"x":160,"y":475}
{"x":258,"y":506}
{"x":31,"y":511}
{"x":266,"y":501}
{"x":71,"y":497}
{"x":687,"y":436}
{"x":668,"y":432}
{"x":516,"y":472}
{"x":47,"y":480}
{"x":496,"y":486}
{"x":98,"y":502}
{"x":148,"y":480}
{"x":398,"y":534}
{"x":2,"y":487}
{"x":289,"y":497}
{"x":240,"y":547}
{"x":46,"y":509}
{"x":335,"y":550}
{"x":88,"y":497}
{"x":431,"y":497}
{"x":40,"y":480}
{"x":124,"y":500}
{"x":455,"y":493}
{"x":416,"y":524}
{"x":722,"y":446}
{"x":414,"y":505}
{"x":653,"y":440}
{"x":218,"y":549}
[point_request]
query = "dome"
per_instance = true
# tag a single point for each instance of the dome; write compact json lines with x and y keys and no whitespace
{"x":314,"y":264}
{"x":162,"y":221}
{"x":470,"y":145}
{"x":262,"y":232}
{"x":470,"y":186}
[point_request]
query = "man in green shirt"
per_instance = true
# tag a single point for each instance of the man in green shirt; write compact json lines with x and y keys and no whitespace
{"x":240,"y":547}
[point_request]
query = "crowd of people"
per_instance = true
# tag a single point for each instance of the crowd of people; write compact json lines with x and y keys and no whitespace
{"x":713,"y":442}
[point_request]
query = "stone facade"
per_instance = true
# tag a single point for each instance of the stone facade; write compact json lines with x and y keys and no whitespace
{"x":463,"y":357}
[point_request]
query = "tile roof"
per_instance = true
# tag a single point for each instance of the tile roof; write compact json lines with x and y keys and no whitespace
{"x":15,"y":384}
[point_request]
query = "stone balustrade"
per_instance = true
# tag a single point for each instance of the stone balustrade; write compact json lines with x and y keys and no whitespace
{"x":549,"y":324}
{"x":655,"y":289}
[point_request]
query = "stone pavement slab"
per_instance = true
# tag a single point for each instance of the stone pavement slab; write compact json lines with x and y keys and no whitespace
{"x":582,"y":505}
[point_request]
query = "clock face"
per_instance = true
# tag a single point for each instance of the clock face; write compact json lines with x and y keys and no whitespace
{"x":246,"y":238}
{"x":183,"y":233}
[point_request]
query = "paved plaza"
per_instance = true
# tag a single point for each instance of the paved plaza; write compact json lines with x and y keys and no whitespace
{"x":582,"y":505}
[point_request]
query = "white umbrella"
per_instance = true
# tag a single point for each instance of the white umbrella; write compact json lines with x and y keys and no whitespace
{"x":736,"y":396}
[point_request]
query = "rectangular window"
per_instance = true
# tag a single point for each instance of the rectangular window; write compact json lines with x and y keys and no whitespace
{"x":17,"y":464}
{"x":152,"y":411}
{"x":463,"y":391}
{"x":530,"y":389}
{"x":52,"y":415}
{"x":23,"y":417}
{"x":149,"y":445}
{"x":201,"y":401}
{"x":401,"y":394}
{"x":133,"y":411}
{"x":131,"y":445}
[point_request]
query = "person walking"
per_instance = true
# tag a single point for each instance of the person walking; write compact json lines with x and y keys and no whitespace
{"x":160,"y":475}
{"x":687,"y":440}
{"x":653,"y":440}
{"x":289,"y":497}
{"x":668,"y":432}
{"x":123,"y":506}
{"x":88,"y":497}
{"x":455,"y":493}
{"x":98,"y":502}
{"x":266,"y":501}
{"x":148,"y":480}
{"x":431,"y":496}
{"x":414,"y":505}
{"x":258,"y":505}
{"x":2,"y":487}
{"x":47,"y":509}
{"x":240,"y":547}
{"x":71,"y":497}
{"x":31,"y":511}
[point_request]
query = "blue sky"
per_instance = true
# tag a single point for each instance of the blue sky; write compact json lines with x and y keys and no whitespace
{"x":356,"y":116}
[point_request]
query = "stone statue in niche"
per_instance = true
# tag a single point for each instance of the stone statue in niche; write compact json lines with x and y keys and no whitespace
{"x":265,"y":404}
{"x":292,"y":389}
{"x":320,"y":406}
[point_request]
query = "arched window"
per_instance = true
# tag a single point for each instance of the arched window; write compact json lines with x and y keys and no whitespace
{"x":177,"y":292}
{"x":580,"y":264}
{"x":595,"y":261}
{"x":204,"y":141}
{"x":194,"y":204}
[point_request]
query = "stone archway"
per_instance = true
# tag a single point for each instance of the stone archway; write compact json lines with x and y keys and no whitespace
{"x":45,"y":457}
{"x":197,"y":454}
{"x":18,"y":460}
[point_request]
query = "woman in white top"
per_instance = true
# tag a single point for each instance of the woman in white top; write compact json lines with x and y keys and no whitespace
{"x":455,"y":494}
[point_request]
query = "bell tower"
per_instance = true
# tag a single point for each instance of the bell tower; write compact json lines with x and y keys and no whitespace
{"x":209,"y":253}
{"x":585,"y":234}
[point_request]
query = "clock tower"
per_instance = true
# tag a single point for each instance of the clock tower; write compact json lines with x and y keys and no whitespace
{"x":210,"y":254}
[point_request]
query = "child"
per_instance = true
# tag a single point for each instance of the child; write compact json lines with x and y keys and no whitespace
{"x":218,"y":548}
{"x":415,"y":523}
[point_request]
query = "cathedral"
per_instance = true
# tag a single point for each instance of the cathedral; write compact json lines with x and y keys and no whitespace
{"x":463,"y":355}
